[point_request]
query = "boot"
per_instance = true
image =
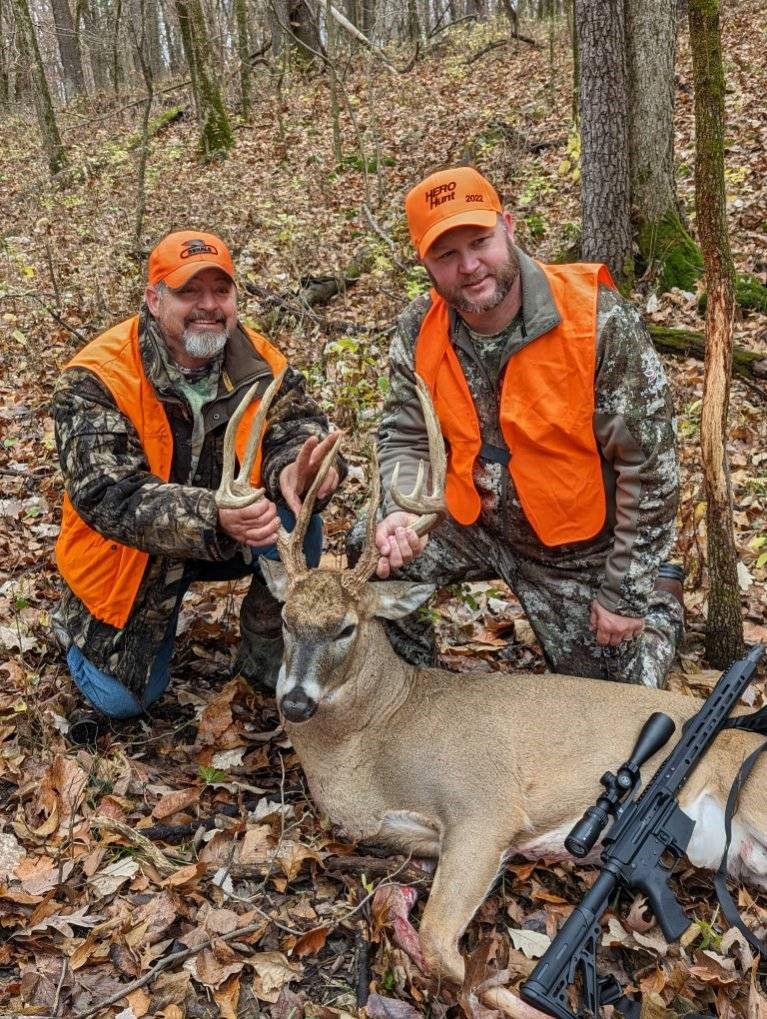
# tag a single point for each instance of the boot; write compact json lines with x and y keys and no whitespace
{"x":259,"y":655}
{"x":670,"y":577}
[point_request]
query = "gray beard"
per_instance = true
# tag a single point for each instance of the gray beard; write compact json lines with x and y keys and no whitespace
{"x":204,"y":343}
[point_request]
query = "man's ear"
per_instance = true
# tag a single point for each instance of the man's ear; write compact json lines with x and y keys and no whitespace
{"x":393,"y":599}
{"x":276,"y":577}
{"x":508,"y":220}
{"x":152,"y":300}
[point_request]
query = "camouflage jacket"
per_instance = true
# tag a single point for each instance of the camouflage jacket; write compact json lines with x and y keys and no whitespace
{"x":107,"y":477}
{"x":633,"y":424}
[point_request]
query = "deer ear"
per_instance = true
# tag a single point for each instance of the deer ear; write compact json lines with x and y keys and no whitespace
{"x":394,"y":599}
{"x":276,"y":577}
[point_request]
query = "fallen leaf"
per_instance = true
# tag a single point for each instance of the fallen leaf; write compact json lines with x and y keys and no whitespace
{"x":531,"y":943}
{"x":108,"y":880}
{"x":311,"y":943}
{"x":378,"y":1007}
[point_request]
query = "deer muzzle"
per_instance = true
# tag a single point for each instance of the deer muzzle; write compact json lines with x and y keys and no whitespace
{"x":297,"y":705}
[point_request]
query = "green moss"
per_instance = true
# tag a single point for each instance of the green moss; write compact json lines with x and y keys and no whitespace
{"x":750,"y":294}
{"x":675,"y":254}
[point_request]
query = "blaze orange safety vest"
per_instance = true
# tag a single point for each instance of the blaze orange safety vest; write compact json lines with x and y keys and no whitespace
{"x":104,"y":574}
{"x":546,"y":412}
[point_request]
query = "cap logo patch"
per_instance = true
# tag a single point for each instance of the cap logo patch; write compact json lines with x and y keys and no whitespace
{"x":197,"y":247}
{"x":440,"y":194}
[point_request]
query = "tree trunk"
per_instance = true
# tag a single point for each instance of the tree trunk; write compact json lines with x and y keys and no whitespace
{"x":664,"y":244}
{"x":216,"y":133}
{"x":46,"y":117}
{"x":304,"y":34}
{"x":724,"y":633}
{"x":69,"y":49}
{"x":5,"y":61}
{"x":603,"y":106}
{"x":243,"y":52}
{"x":96,"y":48}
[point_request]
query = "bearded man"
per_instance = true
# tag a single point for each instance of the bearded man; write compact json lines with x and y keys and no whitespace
{"x":140,"y":414}
{"x":562,"y":469}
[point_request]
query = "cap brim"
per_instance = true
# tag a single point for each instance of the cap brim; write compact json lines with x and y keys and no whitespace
{"x":179,"y":276}
{"x":476,"y":217}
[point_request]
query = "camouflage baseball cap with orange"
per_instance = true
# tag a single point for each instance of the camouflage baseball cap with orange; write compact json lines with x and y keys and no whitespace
{"x":447,"y":199}
{"x":182,"y":254}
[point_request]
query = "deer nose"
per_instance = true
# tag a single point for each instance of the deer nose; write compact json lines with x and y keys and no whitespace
{"x":296,"y":706}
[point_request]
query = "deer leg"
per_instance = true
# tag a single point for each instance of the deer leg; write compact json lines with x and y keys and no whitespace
{"x":468,"y":865}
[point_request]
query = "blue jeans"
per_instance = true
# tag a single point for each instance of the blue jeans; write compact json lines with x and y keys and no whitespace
{"x":111,"y":697}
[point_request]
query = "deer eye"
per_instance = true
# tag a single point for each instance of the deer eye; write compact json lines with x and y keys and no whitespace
{"x":346,"y":632}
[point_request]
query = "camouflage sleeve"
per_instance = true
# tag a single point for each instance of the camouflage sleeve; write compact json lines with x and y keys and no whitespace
{"x":107,"y":477}
{"x":635,"y":429}
{"x":294,"y":416}
{"x":402,"y":434}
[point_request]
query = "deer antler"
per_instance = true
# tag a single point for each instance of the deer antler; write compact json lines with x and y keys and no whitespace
{"x":291,"y":545}
{"x":429,"y":505}
{"x":237,"y":492}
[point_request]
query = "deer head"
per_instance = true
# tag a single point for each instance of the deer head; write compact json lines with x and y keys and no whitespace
{"x":327,"y":611}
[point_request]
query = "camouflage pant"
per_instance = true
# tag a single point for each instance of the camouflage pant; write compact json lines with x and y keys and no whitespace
{"x":556,"y":599}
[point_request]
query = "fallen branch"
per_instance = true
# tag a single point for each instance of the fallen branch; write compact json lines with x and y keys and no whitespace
{"x":181,"y":956}
{"x":498,"y":45}
{"x":355,"y":33}
{"x":157,"y":858}
{"x":747,"y":364}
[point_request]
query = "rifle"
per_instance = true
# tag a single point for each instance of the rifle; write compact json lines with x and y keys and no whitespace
{"x":644,"y":830}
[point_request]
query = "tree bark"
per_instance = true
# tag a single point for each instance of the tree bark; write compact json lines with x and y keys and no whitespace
{"x":46,"y":116}
{"x":664,"y":244}
{"x":216,"y":136}
{"x":243,"y":52}
{"x":69,"y":49}
{"x":96,"y":46}
{"x":603,"y":106}
{"x":724,"y":633}
{"x":304,"y":38}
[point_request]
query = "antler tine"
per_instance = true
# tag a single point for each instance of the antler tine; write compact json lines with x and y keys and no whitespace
{"x":236,"y":492}
{"x":354,"y":580}
{"x":291,"y":545}
{"x":430,"y":505}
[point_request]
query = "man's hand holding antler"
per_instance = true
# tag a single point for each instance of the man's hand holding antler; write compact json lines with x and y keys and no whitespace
{"x":296,"y":478}
{"x":397,"y":542}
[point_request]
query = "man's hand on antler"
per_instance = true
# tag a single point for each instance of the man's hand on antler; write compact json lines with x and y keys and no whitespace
{"x":397,"y":542}
{"x":255,"y":525}
{"x":296,"y":478}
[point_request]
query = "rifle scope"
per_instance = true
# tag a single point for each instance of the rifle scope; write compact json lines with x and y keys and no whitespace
{"x":655,"y":733}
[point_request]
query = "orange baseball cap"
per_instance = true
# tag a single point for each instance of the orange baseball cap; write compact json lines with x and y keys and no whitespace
{"x":446,"y":199}
{"x":182,"y":254}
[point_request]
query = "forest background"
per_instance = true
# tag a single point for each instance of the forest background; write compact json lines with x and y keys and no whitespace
{"x":294,"y":130}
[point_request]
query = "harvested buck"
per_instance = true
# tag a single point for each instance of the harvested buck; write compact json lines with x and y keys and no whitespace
{"x":469,"y":769}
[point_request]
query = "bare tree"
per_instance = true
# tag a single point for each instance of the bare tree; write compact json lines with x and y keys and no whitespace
{"x":46,"y":117}
{"x":724,"y":633}
{"x":603,"y":105}
{"x":664,"y":244}
{"x":243,"y":49}
{"x":216,"y":136}
{"x":69,"y":48}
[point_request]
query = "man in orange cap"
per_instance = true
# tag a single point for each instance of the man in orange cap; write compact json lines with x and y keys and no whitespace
{"x":562,"y":471}
{"x":140,"y":414}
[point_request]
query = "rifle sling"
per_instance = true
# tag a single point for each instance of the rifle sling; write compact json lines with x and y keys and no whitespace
{"x":729,"y":908}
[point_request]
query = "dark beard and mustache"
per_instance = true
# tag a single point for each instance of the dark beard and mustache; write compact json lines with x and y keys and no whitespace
{"x":504,"y":281}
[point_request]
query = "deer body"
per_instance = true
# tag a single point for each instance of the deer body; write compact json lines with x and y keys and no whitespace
{"x":466,"y":768}
{"x":472,"y":768}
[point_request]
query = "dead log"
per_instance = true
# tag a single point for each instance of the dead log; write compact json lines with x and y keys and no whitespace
{"x":747,"y":364}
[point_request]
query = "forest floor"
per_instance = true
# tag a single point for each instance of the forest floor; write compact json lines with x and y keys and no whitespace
{"x":192,"y":829}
